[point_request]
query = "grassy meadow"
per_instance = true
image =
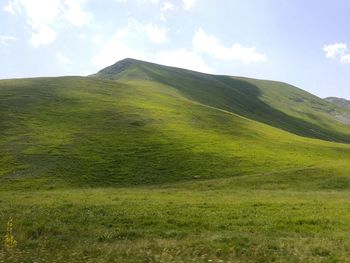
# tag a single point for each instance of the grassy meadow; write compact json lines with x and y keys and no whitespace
{"x":260,"y":219}
{"x":156,"y":164}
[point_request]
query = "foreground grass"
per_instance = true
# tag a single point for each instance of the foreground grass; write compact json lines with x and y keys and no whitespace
{"x":223,"y":220}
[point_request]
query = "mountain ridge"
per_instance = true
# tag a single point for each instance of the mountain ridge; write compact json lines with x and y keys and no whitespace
{"x":295,"y":110}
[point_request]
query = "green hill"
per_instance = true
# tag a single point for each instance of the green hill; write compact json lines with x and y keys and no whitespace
{"x":146,"y":163}
{"x":275,"y":103}
{"x":141,"y":123}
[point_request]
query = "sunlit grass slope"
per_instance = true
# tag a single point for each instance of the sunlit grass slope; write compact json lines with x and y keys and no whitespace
{"x":80,"y":131}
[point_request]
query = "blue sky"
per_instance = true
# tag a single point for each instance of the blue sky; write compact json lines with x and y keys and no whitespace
{"x":305,"y":43}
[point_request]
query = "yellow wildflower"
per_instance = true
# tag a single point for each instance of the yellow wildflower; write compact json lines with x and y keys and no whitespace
{"x":10,"y":241}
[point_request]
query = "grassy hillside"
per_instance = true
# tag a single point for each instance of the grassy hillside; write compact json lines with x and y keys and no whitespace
{"x":277,"y":104}
{"x":146,"y":163}
{"x":76,"y":131}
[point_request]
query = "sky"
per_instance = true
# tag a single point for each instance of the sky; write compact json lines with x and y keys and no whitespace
{"x":304,"y":43}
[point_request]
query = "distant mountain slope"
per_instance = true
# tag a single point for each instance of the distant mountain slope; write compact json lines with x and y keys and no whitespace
{"x":343,"y":103}
{"x":342,"y":110}
{"x":275,"y":103}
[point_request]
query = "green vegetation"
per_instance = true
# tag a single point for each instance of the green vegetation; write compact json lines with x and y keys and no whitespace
{"x":277,"y":104}
{"x":142,"y":162}
{"x":262,"y":218}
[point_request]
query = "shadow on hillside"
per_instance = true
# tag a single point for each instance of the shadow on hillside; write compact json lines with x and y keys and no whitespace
{"x":243,"y":98}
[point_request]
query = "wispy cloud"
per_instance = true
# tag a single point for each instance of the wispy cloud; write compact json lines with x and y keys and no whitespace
{"x":188,"y":4}
{"x":139,"y":1}
{"x":45,"y":16}
{"x":154,"y":33}
{"x":167,"y":6}
{"x":334,"y":50}
{"x":122,"y":46}
{"x":337,"y":51}
{"x":115,"y":50}
{"x":43,"y":35}
{"x":5,"y":40}
{"x":345,"y":58}
{"x":63,"y":59}
{"x":183,"y":58}
{"x":210,"y":45}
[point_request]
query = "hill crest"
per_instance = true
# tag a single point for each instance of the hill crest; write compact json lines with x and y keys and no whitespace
{"x":271,"y":102}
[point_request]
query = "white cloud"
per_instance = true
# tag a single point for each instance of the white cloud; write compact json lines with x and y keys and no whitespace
{"x":167,"y":6}
{"x":153,"y":32}
{"x":149,"y":1}
{"x":116,"y":50}
{"x":333,"y":50}
{"x":43,"y":35}
{"x":5,"y":40}
{"x":188,"y":4}
{"x":337,"y":51}
{"x":209,"y":44}
{"x":74,"y":13}
{"x":183,"y":59}
{"x":119,"y":48}
{"x":345,"y":58}
{"x":63,"y":59}
{"x":139,"y":1}
{"x":10,"y":8}
{"x":113,"y":51}
{"x":44,"y":16}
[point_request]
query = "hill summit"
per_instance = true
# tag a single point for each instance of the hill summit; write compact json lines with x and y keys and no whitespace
{"x":119,"y":66}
